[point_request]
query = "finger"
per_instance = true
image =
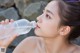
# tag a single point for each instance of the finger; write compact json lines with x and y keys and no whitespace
{"x":2,"y":22}
{"x":6,"y":21}
{"x":9,"y":40}
{"x":11,"y":20}
{"x":12,"y":38}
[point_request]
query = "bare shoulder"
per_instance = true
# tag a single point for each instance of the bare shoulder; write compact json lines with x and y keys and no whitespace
{"x":77,"y":50}
{"x":26,"y":45}
{"x":29,"y":40}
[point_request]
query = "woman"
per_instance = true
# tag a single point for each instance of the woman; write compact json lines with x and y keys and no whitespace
{"x":56,"y":26}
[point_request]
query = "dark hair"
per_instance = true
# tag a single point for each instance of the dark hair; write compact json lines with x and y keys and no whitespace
{"x":69,"y":12}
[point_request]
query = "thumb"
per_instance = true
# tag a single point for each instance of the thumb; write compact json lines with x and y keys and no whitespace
{"x":10,"y":40}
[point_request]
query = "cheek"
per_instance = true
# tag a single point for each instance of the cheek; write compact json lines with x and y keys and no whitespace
{"x":49,"y":29}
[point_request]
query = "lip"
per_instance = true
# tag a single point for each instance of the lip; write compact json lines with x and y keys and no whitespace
{"x":37,"y":26}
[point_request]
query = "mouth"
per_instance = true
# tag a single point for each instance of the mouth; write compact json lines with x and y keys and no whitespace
{"x":37,"y":26}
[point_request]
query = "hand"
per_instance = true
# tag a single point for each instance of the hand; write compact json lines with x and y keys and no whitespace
{"x":7,"y":41}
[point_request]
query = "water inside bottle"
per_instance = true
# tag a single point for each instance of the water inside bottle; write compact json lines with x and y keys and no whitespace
{"x":19,"y":27}
{"x":24,"y":26}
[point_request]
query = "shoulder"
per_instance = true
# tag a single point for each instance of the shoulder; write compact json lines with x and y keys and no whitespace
{"x":28,"y":45}
{"x":32,"y":40}
{"x":77,"y":50}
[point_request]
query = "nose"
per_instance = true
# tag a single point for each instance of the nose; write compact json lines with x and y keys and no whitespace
{"x":39,"y":19}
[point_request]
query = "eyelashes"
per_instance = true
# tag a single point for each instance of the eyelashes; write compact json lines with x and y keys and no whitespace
{"x":47,"y":16}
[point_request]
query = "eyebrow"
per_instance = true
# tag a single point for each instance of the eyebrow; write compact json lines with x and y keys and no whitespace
{"x":49,"y":12}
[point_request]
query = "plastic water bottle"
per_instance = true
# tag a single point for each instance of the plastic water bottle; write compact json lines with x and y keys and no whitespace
{"x":22,"y":26}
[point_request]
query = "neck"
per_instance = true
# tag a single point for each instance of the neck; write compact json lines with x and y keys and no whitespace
{"x":56,"y":45}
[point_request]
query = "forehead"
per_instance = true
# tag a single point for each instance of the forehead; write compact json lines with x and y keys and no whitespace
{"x":52,"y":6}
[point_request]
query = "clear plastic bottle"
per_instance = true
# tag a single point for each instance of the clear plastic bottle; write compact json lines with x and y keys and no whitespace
{"x":22,"y":26}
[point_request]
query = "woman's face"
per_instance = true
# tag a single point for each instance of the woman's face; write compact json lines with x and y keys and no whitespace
{"x":48,"y":21}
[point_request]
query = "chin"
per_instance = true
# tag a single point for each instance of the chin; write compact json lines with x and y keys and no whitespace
{"x":37,"y":33}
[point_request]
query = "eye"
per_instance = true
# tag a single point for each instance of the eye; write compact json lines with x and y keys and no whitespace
{"x":47,"y":16}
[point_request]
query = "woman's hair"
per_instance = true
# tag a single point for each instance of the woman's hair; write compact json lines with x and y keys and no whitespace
{"x":69,"y":12}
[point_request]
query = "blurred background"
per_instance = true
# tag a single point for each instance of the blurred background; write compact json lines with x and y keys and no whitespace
{"x":18,"y":9}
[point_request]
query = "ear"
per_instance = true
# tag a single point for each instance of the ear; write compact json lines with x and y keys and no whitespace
{"x":64,"y":30}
